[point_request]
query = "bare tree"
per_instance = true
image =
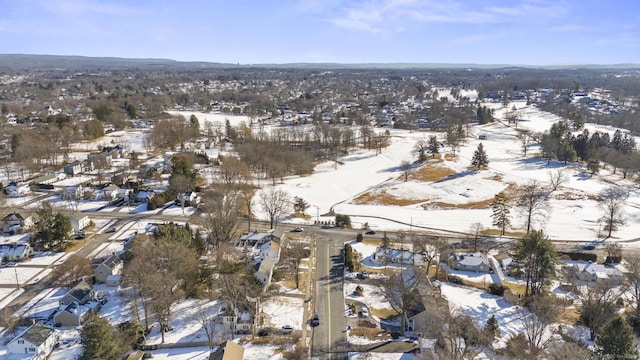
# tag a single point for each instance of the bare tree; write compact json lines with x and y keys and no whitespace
{"x":543,"y":312}
{"x":209,"y":324}
{"x":525,"y":140}
{"x":221,"y":211}
{"x":459,"y":335}
{"x":75,"y":267}
{"x":276,"y":203}
{"x":476,"y":233}
{"x":633,"y":276}
{"x":557,"y":179}
{"x":400,"y":290}
{"x":405,"y":166}
{"x":598,"y":305}
{"x":295,"y":251}
{"x":533,"y":202}
{"x":612,"y":201}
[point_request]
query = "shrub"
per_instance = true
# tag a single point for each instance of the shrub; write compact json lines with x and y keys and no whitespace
{"x":359,"y":237}
{"x":343,"y":220}
{"x":496,"y":289}
{"x":456,"y":280}
{"x":580,"y":256}
{"x":359,"y":291}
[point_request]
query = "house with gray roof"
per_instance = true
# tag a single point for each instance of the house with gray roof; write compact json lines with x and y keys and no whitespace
{"x":36,"y":343}
{"x":476,"y":262}
{"x":81,"y":293}
{"x":109,"y":267}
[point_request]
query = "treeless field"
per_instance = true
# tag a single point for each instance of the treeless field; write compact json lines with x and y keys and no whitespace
{"x":383,"y":198}
{"x":484,"y":204}
{"x":431,"y":173}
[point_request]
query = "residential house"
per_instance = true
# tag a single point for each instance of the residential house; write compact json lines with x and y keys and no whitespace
{"x":48,"y":179}
{"x":228,"y":350}
{"x":592,"y":272}
{"x":81,"y":294}
{"x":264,"y":272}
{"x":397,"y":256}
{"x":116,"y":152}
{"x":72,"y":193}
{"x":476,"y":262}
{"x":37,"y":342}
{"x":143,"y":196}
{"x":14,"y":190}
{"x":99,"y":160}
{"x":428,"y":310}
{"x":256,"y":238}
{"x":109,"y":267}
{"x":15,"y":252}
{"x":270,"y":250}
{"x":239,"y":323}
{"x":73,"y":314}
{"x":73,"y":168}
{"x":79,"y":221}
{"x":189,"y":198}
{"x":110,"y":192}
{"x":16,"y":223}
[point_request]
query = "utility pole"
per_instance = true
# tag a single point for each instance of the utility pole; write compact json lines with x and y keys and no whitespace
{"x":317,"y":214}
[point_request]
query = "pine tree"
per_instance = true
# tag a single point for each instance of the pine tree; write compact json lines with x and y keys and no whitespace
{"x":616,"y":340}
{"x":434,"y":146}
{"x":300,"y":205}
{"x":500,"y":212}
{"x":99,"y":339}
{"x":480,"y":158}
{"x":492,"y":329}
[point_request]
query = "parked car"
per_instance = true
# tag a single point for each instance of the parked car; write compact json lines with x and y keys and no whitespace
{"x":287,"y":329}
{"x":589,"y":247}
{"x":316,"y":320}
{"x":365,"y":274}
{"x":370,"y":232}
{"x":297,"y":229}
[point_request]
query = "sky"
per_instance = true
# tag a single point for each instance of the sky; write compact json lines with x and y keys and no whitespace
{"x":518,"y":32}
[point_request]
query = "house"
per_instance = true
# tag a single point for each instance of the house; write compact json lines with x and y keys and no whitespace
{"x":79,"y":221}
{"x":428,"y":310}
{"x":116,"y":152}
{"x":73,"y":168}
{"x":265,"y":272}
{"x":110,"y":266}
{"x":270,"y":250}
{"x":14,"y":190}
{"x":110,"y":192}
{"x":81,"y":294}
{"x":189,"y":198}
{"x":48,"y":179}
{"x":72,"y":193}
{"x":73,"y":314}
{"x":228,"y":350}
{"x":397,"y":256}
{"x":16,"y":223}
{"x":37,"y":342}
{"x":143,"y":196}
{"x":15,"y":252}
{"x":592,"y":272}
{"x":99,"y":160}
{"x":238,"y":323}
{"x":476,"y":262}
{"x":258,"y":238}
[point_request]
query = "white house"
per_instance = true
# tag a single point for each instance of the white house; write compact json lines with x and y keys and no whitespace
{"x":14,"y":190}
{"x":37,"y":342}
{"x":592,"y":272}
{"x":72,"y":193}
{"x":476,"y":262}
{"x":397,"y":256}
{"x":189,"y":198}
{"x":265,"y":272}
{"x":15,"y":252}
{"x":270,"y":250}
{"x":240,"y":323}
{"x":16,"y":223}
{"x":79,"y":221}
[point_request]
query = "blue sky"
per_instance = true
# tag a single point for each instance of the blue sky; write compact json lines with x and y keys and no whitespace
{"x":533,"y":32}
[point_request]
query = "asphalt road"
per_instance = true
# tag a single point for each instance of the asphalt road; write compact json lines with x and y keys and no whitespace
{"x":329,"y":338}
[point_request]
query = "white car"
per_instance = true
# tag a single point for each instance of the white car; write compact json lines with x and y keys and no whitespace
{"x":297,"y":229}
{"x":363,"y":312}
{"x":287,"y":329}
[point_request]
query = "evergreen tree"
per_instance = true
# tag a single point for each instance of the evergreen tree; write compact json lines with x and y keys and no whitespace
{"x":386,"y":240}
{"x":300,"y":205}
{"x":538,"y":256}
{"x":99,"y":339}
{"x":616,"y":340}
{"x":492,"y":328}
{"x":480,"y":158}
{"x":500,"y":212}
{"x":434,"y":146}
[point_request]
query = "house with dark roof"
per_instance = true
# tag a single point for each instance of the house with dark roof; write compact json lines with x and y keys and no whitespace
{"x":15,"y":252}
{"x":111,"y":266}
{"x":74,"y":314}
{"x":37,"y":342}
{"x":81,"y":294}
{"x":16,"y":223}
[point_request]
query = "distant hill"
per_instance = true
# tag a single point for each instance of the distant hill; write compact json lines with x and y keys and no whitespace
{"x":32,"y":62}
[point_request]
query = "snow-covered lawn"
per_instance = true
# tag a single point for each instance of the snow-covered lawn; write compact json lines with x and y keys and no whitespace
{"x":283,"y":310}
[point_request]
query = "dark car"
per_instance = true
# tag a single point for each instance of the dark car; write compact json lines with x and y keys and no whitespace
{"x":297,"y":229}
{"x":589,"y":247}
{"x":316,"y":320}
{"x":370,"y":232}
